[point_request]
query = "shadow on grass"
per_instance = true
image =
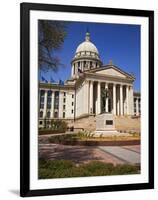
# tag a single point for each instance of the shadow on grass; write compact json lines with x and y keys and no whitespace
{"x":66,"y":168}
{"x":77,"y":154}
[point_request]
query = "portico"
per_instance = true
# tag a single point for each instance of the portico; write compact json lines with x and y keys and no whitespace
{"x":118,"y":101}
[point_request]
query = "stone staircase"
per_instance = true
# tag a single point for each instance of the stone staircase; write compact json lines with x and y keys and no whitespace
{"x":127,"y":124}
{"x":124,"y":124}
{"x":86,"y":123}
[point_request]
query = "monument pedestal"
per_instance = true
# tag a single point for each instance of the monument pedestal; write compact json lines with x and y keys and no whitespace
{"x":105,"y":125}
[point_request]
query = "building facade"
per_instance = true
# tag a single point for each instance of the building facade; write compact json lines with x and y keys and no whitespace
{"x":93,"y":88}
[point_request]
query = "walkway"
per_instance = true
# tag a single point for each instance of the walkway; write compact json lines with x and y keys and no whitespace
{"x":84,"y":154}
{"x":122,"y":153}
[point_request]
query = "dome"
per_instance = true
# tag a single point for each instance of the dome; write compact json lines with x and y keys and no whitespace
{"x":87,"y":46}
{"x":86,"y":57}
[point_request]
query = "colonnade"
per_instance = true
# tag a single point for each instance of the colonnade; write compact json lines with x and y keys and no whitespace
{"x":121,"y":94}
{"x":84,"y":65}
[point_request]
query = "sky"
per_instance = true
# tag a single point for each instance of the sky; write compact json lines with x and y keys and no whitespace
{"x":117,"y":42}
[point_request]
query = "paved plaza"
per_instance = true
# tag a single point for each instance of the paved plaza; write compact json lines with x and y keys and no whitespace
{"x":85,"y":154}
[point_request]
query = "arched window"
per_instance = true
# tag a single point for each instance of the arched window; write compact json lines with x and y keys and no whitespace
{"x":41,"y":114}
{"x":56,"y":114}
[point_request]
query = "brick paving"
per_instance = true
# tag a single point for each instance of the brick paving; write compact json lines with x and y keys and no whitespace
{"x":85,"y":154}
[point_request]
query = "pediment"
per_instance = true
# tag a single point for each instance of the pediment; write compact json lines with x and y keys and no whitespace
{"x":112,"y":71}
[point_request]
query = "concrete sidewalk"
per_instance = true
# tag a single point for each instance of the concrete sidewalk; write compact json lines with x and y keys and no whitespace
{"x":124,"y":154}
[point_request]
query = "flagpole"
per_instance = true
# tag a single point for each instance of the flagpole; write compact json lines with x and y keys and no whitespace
{"x":40,"y":75}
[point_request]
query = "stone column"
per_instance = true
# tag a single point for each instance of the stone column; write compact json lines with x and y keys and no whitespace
{"x":91,"y":97}
{"x":127,"y":100}
{"x":76,"y":69}
{"x":114,"y":99}
{"x":99,"y":98}
{"x":86,"y":96}
{"x":118,"y":106}
{"x":72,"y":70}
{"x":131,"y":101}
{"x":121,"y":100}
{"x":82,"y":67}
{"x":52,"y":105}
{"x":45,"y":103}
{"x":60,"y":110}
{"x":137,"y":107}
{"x":107,"y":102}
{"x":88,"y":64}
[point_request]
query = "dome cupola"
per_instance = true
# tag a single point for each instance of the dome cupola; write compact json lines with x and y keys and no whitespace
{"x":87,"y":46}
{"x":86,"y":56}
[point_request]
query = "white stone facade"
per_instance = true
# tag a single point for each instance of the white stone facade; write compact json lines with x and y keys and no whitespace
{"x":92,"y":89}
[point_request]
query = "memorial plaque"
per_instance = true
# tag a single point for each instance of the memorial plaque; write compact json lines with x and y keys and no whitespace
{"x":109,"y":122}
{"x":105,"y":125}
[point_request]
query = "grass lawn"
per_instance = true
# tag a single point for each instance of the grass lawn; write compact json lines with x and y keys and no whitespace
{"x":66,"y":168}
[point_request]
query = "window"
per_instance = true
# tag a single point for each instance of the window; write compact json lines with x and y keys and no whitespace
{"x":40,"y":122}
{"x":41,"y":114}
{"x":64,"y":100}
{"x":41,"y":105}
{"x":48,"y":114}
{"x":56,"y":94}
{"x":64,"y":94}
{"x":72,"y":96}
{"x":56,"y":115}
{"x":64,"y":107}
{"x":49,"y":99}
{"x":72,"y":103}
{"x":56,"y":106}
{"x":42,"y":93}
{"x":49,"y":93}
{"x":42,"y":99}
{"x":49,"y":106}
{"x":48,"y":122}
{"x":72,"y":111}
{"x":56,"y":100}
{"x":63,"y":114}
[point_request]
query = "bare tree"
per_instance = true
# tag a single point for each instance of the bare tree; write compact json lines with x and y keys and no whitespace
{"x":51,"y":38}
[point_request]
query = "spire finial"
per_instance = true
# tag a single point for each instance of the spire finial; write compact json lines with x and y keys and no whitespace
{"x":110,"y":62}
{"x":87,"y":38}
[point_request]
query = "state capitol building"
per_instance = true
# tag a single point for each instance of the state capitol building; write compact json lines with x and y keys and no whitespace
{"x":93,"y":88}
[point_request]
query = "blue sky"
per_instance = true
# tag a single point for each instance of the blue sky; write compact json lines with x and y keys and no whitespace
{"x":117,"y":42}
